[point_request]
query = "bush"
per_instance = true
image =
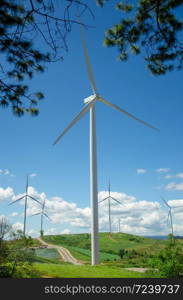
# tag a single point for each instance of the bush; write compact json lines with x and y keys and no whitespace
{"x":16,"y":257}
{"x":23,"y":270}
{"x":121,"y":253}
{"x":169,"y":261}
{"x":6,"y":271}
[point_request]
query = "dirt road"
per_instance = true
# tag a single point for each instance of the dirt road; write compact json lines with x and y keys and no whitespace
{"x":64,"y":253}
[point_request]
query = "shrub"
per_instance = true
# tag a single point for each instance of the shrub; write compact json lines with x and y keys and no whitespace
{"x":169,"y":261}
{"x":121,"y":253}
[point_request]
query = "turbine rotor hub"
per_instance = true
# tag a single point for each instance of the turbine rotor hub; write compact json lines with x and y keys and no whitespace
{"x":90,"y":98}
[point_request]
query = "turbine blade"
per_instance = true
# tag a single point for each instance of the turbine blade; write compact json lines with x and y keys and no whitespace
{"x":47,"y":216}
{"x":17,"y":200}
{"x":103,"y":199}
{"x":116,"y":200}
{"x":35,"y":214}
{"x":87,"y":61}
{"x":27,"y":184}
{"x":34,"y":199}
{"x":165,"y":202}
{"x":74,"y":121}
{"x":126,"y":113}
{"x":168,"y":217}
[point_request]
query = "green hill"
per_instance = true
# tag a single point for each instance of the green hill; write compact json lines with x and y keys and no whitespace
{"x":136,"y":247}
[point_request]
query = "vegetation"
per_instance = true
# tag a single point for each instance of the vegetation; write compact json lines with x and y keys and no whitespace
{"x":160,"y":257}
{"x":154,"y":26}
{"x":32,"y":34}
{"x":108,"y":244}
{"x":73,"y":271}
{"x":16,"y":256}
{"x":169,"y":261}
{"x":19,"y":258}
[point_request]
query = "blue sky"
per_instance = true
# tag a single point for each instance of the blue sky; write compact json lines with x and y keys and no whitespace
{"x":124,"y":146}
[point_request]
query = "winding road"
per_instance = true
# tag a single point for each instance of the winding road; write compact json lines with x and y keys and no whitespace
{"x":64,"y":253}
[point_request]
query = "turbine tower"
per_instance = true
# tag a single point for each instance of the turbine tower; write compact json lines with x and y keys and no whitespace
{"x":90,"y":106}
{"x":42,"y":213}
{"x":109,"y":198}
{"x":26,"y":196}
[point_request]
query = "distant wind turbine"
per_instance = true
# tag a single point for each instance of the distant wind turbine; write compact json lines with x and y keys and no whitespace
{"x":119,"y":225}
{"x":42,"y":213}
{"x":90,"y":106}
{"x":26,"y":199}
{"x":109,"y":198}
{"x":170,"y":214}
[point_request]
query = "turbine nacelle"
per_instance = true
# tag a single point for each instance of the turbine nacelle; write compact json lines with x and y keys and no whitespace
{"x":90,"y":99}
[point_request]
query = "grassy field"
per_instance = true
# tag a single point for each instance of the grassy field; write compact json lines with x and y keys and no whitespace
{"x":73,"y":271}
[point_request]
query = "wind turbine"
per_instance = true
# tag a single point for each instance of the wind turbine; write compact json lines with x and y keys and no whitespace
{"x":109,"y":197}
{"x":26,"y":199}
{"x":119,"y":224}
{"x":90,"y":106}
{"x":170,"y":214}
{"x":42,"y":213}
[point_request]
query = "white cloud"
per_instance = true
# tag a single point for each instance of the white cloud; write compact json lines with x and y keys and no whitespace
{"x":33,"y":233}
{"x":6,"y":193}
{"x":55,"y":231}
{"x":163,"y":170}
{"x":122,"y":197}
{"x":141,"y":171}
{"x":139,"y":217}
{"x":33,"y":175}
{"x":176,"y":202}
{"x":174,"y":186}
{"x":65,"y":231}
{"x":18,"y":226}
{"x":6,"y":172}
{"x":168,"y":176}
{"x":179,"y":175}
{"x":14,"y":214}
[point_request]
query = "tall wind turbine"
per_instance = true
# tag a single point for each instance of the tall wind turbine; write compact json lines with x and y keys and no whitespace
{"x":170,"y":213}
{"x":109,"y":198}
{"x":42,"y":213}
{"x":90,"y":106}
{"x":26,"y":196}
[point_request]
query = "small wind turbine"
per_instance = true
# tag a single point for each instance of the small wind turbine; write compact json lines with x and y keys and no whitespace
{"x":109,"y":197}
{"x":170,"y":214}
{"x":90,"y":106}
{"x":119,"y":225}
{"x":42,"y":213}
{"x":26,"y":199}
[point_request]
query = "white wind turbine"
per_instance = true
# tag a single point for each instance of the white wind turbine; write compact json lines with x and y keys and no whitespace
{"x":119,"y":225}
{"x":42,"y":213}
{"x":26,"y":196}
{"x":109,"y":198}
{"x":170,"y":213}
{"x":90,"y":106}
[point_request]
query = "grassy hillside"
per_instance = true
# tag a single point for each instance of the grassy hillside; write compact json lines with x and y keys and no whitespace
{"x":110,"y":245}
